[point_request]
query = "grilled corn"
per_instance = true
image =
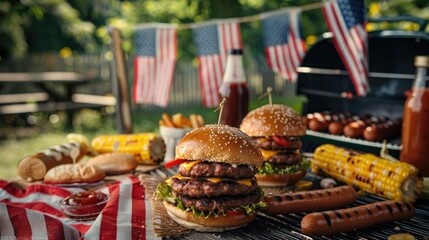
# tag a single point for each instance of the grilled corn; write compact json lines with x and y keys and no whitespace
{"x":387,"y":178}
{"x":148,"y":148}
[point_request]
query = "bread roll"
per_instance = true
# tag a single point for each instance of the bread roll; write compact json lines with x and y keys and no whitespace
{"x":114,"y":163}
{"x":74,"y":173}
{"x":34,"y":167}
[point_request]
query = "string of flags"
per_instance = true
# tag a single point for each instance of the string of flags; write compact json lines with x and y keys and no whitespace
{"x":156,"y":49}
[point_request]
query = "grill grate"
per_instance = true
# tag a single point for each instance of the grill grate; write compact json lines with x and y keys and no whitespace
{"x":288,"y":226}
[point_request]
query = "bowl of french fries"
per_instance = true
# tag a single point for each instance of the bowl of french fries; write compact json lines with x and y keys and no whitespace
{"x":173,"y":128}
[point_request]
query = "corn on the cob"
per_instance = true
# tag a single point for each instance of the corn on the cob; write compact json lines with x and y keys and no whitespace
{"x":390,"y":179}
{"x":148,"y":148}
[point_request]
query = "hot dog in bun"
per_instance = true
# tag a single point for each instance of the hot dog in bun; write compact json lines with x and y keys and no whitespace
{"x":277,"y":129}
{"x":215,"y":188}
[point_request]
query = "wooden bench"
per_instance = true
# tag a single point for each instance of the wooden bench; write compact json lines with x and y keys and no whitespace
{"x":48,"y":99}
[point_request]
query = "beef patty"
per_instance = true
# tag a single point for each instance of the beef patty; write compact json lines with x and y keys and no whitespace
{"x":222,"y":170}
{"x":205,"y":188}
{"x":286,"y":158}
{"x":219,"y":203}
{"x":269,"y":144}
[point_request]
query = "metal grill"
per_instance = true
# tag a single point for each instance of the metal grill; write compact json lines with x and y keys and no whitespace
{"x":323,"y":79}
{"x":288,"y":226}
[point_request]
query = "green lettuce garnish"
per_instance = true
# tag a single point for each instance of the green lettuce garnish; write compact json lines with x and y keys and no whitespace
{"x":268,"y":168}
{"x":164,"y":192}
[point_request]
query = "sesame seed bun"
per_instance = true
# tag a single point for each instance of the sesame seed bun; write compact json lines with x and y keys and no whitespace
{"x":211,"y":224}
{"x":219,"y":143}
{"x":276,"y":119}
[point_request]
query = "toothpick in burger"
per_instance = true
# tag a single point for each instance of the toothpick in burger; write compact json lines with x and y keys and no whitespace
{"x":215,"y":188}
{"x":276,"y":130}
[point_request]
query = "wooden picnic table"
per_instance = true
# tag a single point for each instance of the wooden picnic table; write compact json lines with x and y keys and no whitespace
{"x":49,"y":97}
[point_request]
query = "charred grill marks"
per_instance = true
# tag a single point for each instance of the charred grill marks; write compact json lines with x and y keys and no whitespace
{"x":327,"y":219}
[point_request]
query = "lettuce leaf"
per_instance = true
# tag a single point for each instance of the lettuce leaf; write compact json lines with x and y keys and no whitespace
{"x":268,"y":168}
{"x":164,"y":192}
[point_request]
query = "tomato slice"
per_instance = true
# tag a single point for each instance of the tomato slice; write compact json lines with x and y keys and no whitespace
{"x":174,"y":162}
{"x":281,"y":141}
{"x":234,"y":213}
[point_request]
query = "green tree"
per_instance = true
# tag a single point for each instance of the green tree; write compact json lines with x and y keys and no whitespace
{"x":28,"y":26}
{"x":42,"y":25}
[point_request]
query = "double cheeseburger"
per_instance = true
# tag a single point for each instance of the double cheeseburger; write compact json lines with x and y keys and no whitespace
{"x":276,"y":129}
{"x":215,"y":188}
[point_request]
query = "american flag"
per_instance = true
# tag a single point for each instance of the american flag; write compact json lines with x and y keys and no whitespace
{"x":213,"y":40}
{"x":283,"y":44}
{"x":156,"y":51}
{"x":346,"y":20}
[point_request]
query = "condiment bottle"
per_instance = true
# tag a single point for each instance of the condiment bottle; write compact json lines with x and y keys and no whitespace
{"x":415,"y":128}
{"x":234,"y":88}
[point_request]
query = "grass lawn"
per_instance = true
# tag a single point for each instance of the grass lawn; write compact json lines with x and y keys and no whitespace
{"x":89,"y":123}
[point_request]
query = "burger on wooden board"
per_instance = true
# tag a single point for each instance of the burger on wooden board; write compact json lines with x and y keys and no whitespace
{"x":277,"y":129}
{"x":215,"y":188}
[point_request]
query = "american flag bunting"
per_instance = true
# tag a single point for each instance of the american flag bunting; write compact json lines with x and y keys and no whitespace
{"x":154,"y":63}
{"x":346,"y":20}
{"x":213,"y":40}
{"x":283,"y":43}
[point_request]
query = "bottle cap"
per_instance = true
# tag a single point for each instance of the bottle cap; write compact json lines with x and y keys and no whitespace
{"x":235,"y":51}
{"x":421,"y":61}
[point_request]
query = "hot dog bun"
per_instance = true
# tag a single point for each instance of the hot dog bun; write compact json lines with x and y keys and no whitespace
{"x":34,"y":167}
{"x":74,"y":173}
{"x":114,"y":163}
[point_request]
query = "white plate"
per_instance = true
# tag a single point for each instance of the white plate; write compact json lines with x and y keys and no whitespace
{"x":82,"y":184}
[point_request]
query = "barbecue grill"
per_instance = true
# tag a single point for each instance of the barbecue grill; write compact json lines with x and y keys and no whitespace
{"x":287,"y":226}
{"x":323,"y":79}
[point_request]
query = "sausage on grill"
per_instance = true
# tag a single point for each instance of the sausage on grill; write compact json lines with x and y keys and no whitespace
{"x":309,"y":201}
{"x":349,"y":219}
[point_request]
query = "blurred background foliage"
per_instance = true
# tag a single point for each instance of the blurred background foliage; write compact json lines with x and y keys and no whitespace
{"x":70,"y":28}
{"x":34,"y":26}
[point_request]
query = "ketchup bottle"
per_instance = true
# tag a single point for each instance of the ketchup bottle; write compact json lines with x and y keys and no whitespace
{"x":234,"y":88}
{"x":415,"y":128}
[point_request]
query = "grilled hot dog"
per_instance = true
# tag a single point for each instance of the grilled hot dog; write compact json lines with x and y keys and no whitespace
{"x":345,"y":220}
{"x":319,"y":122}
{"x":355,"y":129}
{"x":309,"y":201}
{"x":380,"y":131}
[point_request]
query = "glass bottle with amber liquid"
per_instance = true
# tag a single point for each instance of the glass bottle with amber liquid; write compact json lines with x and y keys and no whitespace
{"x":415,"y":127}
{"x":234,"y":88}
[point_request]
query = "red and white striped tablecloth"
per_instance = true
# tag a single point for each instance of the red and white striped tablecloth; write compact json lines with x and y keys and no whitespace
{"x":34,"y":213}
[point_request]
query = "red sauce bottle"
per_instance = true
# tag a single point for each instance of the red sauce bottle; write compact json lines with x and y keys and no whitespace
{"x":415,"y":128}
{"x":234,"y":88}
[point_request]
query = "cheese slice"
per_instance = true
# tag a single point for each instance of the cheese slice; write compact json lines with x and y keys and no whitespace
{"x":189,"y":164}
{"x":246,"y":182}
{"x":268,"y":153}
